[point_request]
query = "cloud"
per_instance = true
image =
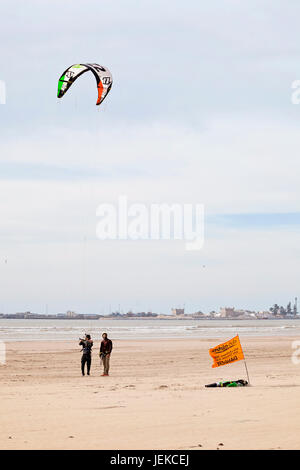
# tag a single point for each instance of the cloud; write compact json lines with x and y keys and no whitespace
{"x":233,"y":269}
{"x":227,"y":165}
{"x":199,"y":112}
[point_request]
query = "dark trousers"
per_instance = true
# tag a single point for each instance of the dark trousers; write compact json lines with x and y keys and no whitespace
{"x":86,"y":358}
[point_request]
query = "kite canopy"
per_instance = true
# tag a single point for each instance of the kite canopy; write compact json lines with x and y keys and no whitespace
{"x":102,"y":74}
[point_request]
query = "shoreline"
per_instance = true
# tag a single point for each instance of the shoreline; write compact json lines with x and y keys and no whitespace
{"x":186,"y":317}
{"x":49,"y":330}
{"x":219,"y":339}
{"x":164,"y":339}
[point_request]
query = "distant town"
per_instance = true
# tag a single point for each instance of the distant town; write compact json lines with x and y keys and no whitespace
{"x":274,"y":312}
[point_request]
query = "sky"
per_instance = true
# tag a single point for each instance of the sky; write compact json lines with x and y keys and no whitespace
{"x":200,"y":112}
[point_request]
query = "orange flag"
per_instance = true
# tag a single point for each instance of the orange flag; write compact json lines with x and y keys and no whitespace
{"x":226,"y":353}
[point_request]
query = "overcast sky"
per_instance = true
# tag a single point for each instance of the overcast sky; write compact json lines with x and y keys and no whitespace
{"x":200,"y":112}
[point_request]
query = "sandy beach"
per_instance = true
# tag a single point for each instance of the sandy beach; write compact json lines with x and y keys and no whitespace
{"x":155,"y":397}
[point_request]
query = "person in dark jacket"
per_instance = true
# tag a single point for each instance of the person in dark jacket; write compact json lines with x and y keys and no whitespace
{"x":105,"y":352}
{"x":86,"y":358}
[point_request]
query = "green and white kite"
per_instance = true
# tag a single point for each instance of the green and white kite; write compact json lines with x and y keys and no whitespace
{"x":102,"y":74}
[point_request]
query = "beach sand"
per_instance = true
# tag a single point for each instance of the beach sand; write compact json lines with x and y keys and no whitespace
{"x":154,"y":398}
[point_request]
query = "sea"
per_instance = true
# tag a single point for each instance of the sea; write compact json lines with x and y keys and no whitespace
{"x":126,"y":329}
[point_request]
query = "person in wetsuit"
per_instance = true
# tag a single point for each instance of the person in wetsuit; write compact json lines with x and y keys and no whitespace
{"x":86,"y":357}
{"x":105,"y":352}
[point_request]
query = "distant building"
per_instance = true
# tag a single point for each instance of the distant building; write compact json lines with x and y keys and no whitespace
{"x":24,"y":315}
{"x":198,"y":314}
{"x":213,"y":314}
{"x":264,"y":314}
{"x":177,"y":311}
{"x":231,"y":312}
{"x":20,"y":314}
{"x":227,"y":312}
{"x":29,"y":315}
{"x":130,"y":314}
{"x":71,"y":314}
{"x":139,"y":314}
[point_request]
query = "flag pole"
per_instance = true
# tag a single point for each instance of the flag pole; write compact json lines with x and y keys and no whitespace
{"x":246,"y":371}
{"x":245,"y":363}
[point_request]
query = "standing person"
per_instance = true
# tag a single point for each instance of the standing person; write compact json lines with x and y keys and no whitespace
{"x":105,"y":351}
{"x":86,"y":358}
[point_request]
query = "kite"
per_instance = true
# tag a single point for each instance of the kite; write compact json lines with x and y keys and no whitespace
{"x":102,"y":74}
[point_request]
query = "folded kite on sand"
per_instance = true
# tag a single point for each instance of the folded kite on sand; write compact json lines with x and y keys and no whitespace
{"x":231,"y":383}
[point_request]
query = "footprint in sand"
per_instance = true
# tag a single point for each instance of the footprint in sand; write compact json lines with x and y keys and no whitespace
{"x":110,"y":407}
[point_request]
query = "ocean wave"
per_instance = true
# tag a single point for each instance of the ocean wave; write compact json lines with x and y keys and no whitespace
{"x":23,"y":330}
